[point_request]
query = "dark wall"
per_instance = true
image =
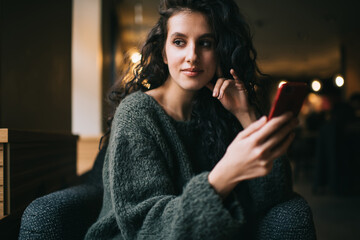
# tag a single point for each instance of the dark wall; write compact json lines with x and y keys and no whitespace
{"x":35,"y":64}
{"x":110,"y":34}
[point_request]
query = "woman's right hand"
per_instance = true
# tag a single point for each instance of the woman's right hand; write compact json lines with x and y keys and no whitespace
{"x":252,"y":152}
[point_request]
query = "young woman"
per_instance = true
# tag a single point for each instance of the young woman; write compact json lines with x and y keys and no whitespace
{"x":187,"y":157}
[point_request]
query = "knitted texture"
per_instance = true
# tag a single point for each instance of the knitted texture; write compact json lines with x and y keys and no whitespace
{"x":65,"y":214}
{"x":289,"y":220}
{"x":152,"y":192}
{"x":68,"y":213}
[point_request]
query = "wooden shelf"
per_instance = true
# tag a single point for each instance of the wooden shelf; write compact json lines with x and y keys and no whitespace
{"x":2,"y":205}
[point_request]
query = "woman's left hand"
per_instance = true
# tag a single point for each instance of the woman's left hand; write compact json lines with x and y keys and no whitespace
{"x":233,"y":96}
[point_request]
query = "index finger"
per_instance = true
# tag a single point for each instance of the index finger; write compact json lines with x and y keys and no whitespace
{"x":273,"y":125}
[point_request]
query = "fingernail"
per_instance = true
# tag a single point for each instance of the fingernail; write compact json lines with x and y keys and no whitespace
{"x":263,"y":119}
{"x":214,"y":94}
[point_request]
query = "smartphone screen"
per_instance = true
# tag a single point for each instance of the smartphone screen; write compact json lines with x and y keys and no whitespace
{"x":289,"y":98}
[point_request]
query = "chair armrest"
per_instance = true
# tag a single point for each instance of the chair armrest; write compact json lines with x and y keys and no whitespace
{"x":292,"y":219}
{"x":65,"y":214}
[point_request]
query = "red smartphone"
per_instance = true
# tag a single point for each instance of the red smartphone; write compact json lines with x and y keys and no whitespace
{"x":289,"y":98}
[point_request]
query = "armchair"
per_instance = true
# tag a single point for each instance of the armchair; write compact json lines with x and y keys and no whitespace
{"x":288,"y":220}
{"x":67,"y":214}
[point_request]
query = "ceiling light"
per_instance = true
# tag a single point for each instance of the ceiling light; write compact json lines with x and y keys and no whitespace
{"x":316,"y":85}
{"x":339,"y":81}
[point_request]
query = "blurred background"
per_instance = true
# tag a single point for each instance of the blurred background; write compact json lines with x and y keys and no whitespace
{"x":59,"y":58}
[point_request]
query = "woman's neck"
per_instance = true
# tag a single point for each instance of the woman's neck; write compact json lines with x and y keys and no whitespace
{"x":176,"y":102}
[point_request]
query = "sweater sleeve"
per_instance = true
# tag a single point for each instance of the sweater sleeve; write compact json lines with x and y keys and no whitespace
{"x":146,"y":203}
{"x":276,"y":187}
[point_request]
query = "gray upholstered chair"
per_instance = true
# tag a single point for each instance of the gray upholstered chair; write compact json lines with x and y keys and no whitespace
{"x":291,"y":220}
{"x":67,"y":214}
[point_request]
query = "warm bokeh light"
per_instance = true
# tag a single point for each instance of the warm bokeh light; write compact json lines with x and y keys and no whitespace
{"x":316,"y":85}
{"x":313,"y":98}
{"x":281,"y":83}
{"x":314,"y":103}
{"x":138,"y":16}
{"x":135,"y":57}
{"x":339,"y":81}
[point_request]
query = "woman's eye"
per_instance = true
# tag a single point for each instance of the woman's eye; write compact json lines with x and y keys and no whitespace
{"x":178,"y":42}
{"x":206,"y":43}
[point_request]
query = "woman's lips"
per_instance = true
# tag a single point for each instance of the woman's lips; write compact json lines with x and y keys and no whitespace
{"x":191,"y":72}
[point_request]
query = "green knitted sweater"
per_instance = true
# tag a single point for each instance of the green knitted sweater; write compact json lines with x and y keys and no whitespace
{"x":154,"y":190}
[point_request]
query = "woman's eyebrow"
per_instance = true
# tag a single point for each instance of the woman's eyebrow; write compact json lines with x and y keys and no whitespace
{"x":208,"y":35}
{"x":205,"y":35}
{"x":178,"y":34}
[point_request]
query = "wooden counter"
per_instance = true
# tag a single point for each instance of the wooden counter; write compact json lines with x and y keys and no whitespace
{"x":32,"y":164}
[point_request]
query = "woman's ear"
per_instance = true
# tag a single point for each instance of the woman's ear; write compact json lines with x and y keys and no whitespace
{"x":164,"y":56}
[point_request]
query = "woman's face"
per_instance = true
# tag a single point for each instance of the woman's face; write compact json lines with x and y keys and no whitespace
{"x":190,"y":50}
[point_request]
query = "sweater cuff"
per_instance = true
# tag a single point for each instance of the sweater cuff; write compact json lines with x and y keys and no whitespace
{"x":232,"y":204}
{"x":230,"y":209}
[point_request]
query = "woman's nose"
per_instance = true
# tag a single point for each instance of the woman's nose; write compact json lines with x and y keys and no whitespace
{"x":192,"y":55}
